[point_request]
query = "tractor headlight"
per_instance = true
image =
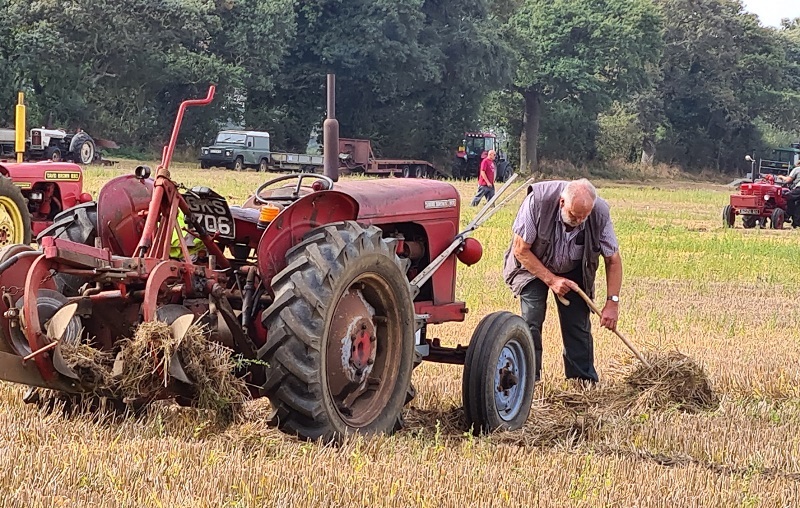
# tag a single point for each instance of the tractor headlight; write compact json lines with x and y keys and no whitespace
{"x":766,"y":198}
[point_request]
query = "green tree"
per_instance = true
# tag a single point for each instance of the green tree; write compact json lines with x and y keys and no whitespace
{"x":579,"y":50}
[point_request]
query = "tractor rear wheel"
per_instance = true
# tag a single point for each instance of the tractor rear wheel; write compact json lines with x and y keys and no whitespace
{"x":15,"y":219}
{"x":82,"y":148}
{"x":498,"y":379}
{"x":728,"y":216}
{"x":777,"y":218}
{"x":341,"y":336}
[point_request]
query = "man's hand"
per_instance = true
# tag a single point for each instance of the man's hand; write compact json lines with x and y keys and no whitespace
{"x":610,"y":315}
{"x":561,"y":286}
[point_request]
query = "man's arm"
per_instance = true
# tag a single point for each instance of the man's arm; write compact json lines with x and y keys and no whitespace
{"x":522,"y":251}
{"x":610,"y":314}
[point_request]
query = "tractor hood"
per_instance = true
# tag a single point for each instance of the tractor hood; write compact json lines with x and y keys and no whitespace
{"x":402,"y":199}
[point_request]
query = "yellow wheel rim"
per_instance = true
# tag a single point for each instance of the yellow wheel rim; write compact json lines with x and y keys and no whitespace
{"x":10,"y":222}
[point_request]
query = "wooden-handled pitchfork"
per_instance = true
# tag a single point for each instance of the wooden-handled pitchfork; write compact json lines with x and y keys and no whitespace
{"x":619,"y":334}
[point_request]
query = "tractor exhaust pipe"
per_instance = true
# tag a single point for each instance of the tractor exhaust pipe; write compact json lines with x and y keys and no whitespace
{"x":330,"y":134}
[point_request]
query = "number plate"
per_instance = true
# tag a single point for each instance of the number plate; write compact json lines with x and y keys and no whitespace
{"x":211,"y":211}
{"x":749,"y":211}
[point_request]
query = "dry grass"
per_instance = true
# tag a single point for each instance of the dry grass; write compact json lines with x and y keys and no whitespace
{"x":724,"y":299}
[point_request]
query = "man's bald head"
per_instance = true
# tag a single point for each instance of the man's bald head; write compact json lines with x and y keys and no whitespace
{"x":577,"y":201}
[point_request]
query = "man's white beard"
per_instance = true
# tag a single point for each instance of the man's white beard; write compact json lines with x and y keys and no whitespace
{"x":565,"y":219}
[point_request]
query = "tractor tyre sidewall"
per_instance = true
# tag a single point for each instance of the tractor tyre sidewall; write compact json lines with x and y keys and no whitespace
{"x":11,"y":191}
{"x":325,"y":263}
{"x":478,"y":391}
{"x":728,"y":216}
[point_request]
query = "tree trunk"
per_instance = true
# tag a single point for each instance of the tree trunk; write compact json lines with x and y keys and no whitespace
{"x":648,"y":151}
{"x":529,"y":139}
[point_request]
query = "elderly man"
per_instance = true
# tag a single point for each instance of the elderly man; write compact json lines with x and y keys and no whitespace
{"x":560,"y":232}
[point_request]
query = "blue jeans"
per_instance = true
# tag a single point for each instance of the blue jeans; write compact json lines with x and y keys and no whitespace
{"x":576,"y":329}
{"x":483,"y":190}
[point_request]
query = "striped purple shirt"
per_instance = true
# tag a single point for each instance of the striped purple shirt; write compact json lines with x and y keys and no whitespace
{"x":567,"y":252}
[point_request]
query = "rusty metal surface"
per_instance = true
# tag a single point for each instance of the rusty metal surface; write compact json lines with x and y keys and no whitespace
{"x":120,"y":207}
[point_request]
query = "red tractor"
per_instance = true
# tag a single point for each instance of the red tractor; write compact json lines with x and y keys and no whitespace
{"x":33,"y":194}
{"x":756,"y":202}
{"x":328,"y":288}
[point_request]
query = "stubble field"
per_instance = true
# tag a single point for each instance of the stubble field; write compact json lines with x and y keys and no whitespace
{"x":726,"y":298}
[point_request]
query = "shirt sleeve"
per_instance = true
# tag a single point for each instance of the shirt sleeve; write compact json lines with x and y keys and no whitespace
{"x":794,"y":173}
{"x":524,"y":225}
{"x":608,"y":240}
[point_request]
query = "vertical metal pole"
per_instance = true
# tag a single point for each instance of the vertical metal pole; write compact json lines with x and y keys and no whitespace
{"x":330,"y":134}
{"x":19,"y":127}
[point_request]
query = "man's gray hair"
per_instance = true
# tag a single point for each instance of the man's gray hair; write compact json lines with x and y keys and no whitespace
{"x":575,"y":187}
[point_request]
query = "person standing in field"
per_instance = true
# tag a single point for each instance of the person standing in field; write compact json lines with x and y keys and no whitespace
{"x":485,"y":179}
{"x":559,"y":234}
{"x":793,"y":196}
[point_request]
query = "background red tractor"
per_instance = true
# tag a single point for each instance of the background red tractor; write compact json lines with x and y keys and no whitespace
{"x":756,"y":202}
{"x":474,"y":148}
{"x":326,"y":293}
{"x":33,"y":194}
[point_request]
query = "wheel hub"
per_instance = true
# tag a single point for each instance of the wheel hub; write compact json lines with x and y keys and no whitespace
{"x":509,"y":380}
{"x":354,"y":337}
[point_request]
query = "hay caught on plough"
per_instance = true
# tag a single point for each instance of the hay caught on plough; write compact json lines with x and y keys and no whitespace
{"x":140,"y":370}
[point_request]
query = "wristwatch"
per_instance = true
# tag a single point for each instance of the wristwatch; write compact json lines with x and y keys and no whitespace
{"x":613,"y":298}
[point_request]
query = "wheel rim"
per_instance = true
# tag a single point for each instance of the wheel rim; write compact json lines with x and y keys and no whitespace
{"x":10,"y":222}
{"x":87,"y":152}
{"x":510,"y":376}
{"x":363,"y":350}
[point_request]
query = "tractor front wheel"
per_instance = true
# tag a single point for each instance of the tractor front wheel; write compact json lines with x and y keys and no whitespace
{"x":777,"y":218}
{"x":15,"y":219}
{"x":341,"y":336}
{"x":750,"y":221}
{"x":499,"y":371}
{"x":728,"y":216}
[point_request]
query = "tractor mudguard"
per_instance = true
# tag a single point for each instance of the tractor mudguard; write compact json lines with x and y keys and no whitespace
{"x":295,"y":221}
{"x":121,"y":213}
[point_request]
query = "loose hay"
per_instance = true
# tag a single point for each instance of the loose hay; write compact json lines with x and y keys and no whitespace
{"x":580,"y":413}
{"x":145,"y":361}
{"x":91,"y":365}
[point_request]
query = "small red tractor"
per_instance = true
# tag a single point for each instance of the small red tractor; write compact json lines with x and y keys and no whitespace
{"x":33,"y":194}
{"x":756,"y":202}
{"x":328,"y":288}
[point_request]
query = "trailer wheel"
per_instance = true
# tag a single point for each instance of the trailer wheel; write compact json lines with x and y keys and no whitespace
{"x":728,"y":216}
{"x":15,"y":219}
{"x":777,"y":218}
{"x":239,"y":164}
{"x":340,"y":347}
{"x":498,"y":379}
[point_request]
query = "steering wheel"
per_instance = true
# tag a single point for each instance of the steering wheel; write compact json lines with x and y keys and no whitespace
{"x":296,"y":194}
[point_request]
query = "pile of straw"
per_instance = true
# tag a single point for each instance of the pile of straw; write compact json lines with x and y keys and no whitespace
{"x":580,"y":413}
{"x":145,"y":368}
